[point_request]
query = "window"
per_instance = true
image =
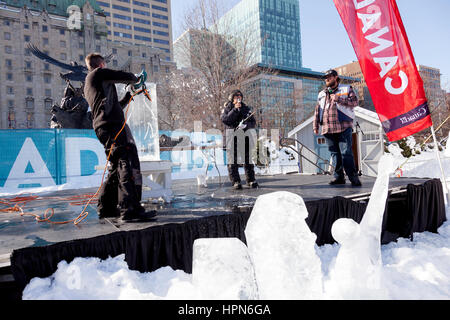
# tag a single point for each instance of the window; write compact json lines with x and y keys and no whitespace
{"x":27,"y":64}
{"x":46,"y":66}
{"x":159,"y":8}
{"x":142,"y":4}
{"x":44,"y":28}
{"x":26,"y":26}
{"x":141,"y":21}
{"x":114,"y":50}
{"x":63,"y":56}
{"x":10,"y":90}
{"x":45,"y":41}
{"x":29,"y":78}
{"x":321,"y":141}
{"x":26,"y":38}
{"x":10,"y":103}
{"x":144,"y":13}
{"x":47,"y":78}
{"x":48,"y":93}
{"x":30,"y":119}
{"x":161,"y":33}
{"x":159,"y":16}
{"x":8,"y":49}
{"x":115,"y":64}
{"x":8,"y":63}
{"x":11,"y":119}
{"x":142,"y":29}
{"x":9,"y":77}
{"x":62,"y":44}
{"x":29,"y":103}
{"x":7,"y":36}
{"x":30,"y":92}
{"x":48,"y":103}
{"x":62,"y":32}
{"x":119,"y":16}
{"x":161,"y":41}
{"x":162,"y":25}
{"x":130,"y":53}
{"x":115,"y":6}
{"x":81,"y":57}
{"x":137,"y":37}
{"x":6,"y":23}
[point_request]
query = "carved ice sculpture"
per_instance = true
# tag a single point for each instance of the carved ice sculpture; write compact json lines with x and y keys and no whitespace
{"x":357,"y":272}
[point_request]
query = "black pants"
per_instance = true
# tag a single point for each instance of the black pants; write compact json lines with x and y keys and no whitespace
{"x":123,"y":185}
{"x":233,"y":168}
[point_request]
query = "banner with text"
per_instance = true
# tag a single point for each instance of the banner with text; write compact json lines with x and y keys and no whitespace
{"x":378,"y":36}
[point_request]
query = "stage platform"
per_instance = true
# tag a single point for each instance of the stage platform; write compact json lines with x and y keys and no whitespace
{"x":29,"y":249}
{"x":190,"y":201}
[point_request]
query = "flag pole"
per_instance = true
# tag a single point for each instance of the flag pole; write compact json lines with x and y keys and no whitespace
{"x":444,"y":182}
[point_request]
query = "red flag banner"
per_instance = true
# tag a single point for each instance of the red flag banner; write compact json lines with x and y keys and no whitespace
{"x":378,"y":36}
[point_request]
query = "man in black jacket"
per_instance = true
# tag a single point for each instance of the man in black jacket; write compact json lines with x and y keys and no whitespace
{"x":240,"y":139}
{"x":123,"y":186}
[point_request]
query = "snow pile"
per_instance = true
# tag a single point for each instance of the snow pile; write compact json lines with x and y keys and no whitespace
{"x":91,"y":278}
{"x":281,"y":261}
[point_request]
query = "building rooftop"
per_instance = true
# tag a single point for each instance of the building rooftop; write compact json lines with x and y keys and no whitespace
{"x":57,"y":7}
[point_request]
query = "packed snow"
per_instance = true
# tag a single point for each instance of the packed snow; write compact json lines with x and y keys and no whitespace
{"x":282,"y":253}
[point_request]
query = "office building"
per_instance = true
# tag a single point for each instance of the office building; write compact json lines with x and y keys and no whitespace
{"x":146,"y":22}
{"x":353,"y":70}
{"x":29,"y":87}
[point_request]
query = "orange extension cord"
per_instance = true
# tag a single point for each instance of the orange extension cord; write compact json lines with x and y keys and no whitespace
{"x":16,"y":204}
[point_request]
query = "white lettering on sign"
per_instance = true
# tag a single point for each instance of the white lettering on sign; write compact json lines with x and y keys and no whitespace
{"x":29,"y":155}
{"x":362,"y":4}
{"x":383,"y":44}
{"x":74,"y":146}
{"x":401,"y":89}
{"x":386,"y":64}
{"x":369,"y":21}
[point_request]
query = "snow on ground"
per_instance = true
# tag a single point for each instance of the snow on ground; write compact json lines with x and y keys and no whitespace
{"x":418,"y":269}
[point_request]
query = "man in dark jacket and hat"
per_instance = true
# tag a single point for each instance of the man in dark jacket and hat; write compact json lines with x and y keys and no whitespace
{"x":121,"y":192}
{"x":240,"y":139}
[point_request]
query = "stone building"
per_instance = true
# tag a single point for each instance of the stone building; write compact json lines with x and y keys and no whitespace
{"x":29,"y":86}
{"x":353,"y":70}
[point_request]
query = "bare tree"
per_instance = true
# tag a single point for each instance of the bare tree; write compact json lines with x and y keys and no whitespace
{"x":222,"y":61}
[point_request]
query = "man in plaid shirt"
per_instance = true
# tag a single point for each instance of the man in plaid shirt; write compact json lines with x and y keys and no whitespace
{"x":334,"y":112}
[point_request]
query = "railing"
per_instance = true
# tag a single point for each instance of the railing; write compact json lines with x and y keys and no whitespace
{"x":288,"y":142}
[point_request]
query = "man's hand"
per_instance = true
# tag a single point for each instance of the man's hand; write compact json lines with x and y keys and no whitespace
{"x":316,"y":132}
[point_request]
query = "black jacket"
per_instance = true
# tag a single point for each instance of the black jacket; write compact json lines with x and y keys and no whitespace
{"x":231,"y":116}
{"x":101,"y":94}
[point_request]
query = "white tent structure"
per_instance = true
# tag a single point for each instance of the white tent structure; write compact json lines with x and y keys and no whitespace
{"x":368,"y":144}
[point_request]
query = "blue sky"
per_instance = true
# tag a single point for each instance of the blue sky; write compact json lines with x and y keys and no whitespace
{"x":426,"y":22}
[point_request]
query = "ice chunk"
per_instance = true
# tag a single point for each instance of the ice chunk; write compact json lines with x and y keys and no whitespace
{"x":447,"y":147}
{"x":201,"y":180}
{"x":282,"y":248}
{"x":356,"y":273}
{"x":222,"y":269}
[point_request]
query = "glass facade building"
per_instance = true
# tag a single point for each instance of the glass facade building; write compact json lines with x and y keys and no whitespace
{"x":272,"y":29}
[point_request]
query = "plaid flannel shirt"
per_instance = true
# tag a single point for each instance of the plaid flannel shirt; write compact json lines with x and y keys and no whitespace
{"x":330,"y":123}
